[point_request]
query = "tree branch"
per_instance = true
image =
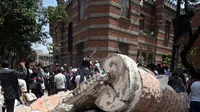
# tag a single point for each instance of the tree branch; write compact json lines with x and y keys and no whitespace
{"x":13,"y":59}
{"x":2,"y":52}
{"x":183,"y":55}
{"x":9,"y":51}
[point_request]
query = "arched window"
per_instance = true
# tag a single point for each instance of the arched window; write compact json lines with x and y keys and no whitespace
{"x":125,"y":8}
{"x":167,"y":30}
{"x":141,"y":22}
{"x":82,"y":8}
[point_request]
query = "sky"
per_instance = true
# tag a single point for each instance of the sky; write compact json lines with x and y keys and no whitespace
{"x":46,"y":3}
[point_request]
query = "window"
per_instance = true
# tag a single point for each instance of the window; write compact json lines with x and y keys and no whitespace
{"x":81,"y":3}
{"x":141,"y":22}
{"x":144,"y":57}
{"x":150,"y":58}
{"x":79,"y":50}
{"x":123,"y":48}
{"x":139,"y":58}
{"x":125,"y":8}
{"x":79,"y":53}
{"x":167,"y":30}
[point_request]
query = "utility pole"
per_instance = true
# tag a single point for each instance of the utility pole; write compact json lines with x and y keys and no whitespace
{"x":176,"y":36}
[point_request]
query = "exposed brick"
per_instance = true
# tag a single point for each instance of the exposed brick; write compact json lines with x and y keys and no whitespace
{"x":116,"y":1}
{"x":92,"y":43}
{"x":118,"y":34}
{"x":99,"y":32}
{"x":113,"y":44}
{"x":99,"y":9}
{"x":152,"y":23}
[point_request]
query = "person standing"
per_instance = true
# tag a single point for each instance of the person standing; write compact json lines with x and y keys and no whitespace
{"x":60,"y":81}
{"x":152,"y":68}
{"x":42,"y":75}
{"x":47,"y":83}
{"x":194,"y":93}
{"x":23,"y":87}
{"x":27,"y":71}
{"x":9,"y":83}
{"x":85,"y":69}
{"x":97,"y":65}
{"x":37,"y":82}
{"x":167,"y":71}
{"x":160,"y":70}
{"x":177,"y":84}
{"x":195,"y":96}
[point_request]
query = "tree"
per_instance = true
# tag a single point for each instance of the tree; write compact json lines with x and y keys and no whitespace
{"x":21,"y":24}
{"x":168,"y":58}
{"x":185,"y":21}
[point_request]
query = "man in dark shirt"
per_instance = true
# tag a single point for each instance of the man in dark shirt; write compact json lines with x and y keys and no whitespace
{"x":9,"y":83}
{"x":85,"y":68}
{"x":160,"y":70}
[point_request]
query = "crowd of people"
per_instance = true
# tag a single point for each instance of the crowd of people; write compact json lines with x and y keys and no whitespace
{"x":181,"y":81}
{"x":39,"y":80}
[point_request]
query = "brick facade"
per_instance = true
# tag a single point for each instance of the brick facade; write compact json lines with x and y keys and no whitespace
{"x":139,"y":33}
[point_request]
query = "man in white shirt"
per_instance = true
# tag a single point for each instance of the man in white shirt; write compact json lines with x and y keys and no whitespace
{"x":27,"y":71}
{"x":59,"y":81}
{"x":22,"y":85}
{"x":77,"y":80}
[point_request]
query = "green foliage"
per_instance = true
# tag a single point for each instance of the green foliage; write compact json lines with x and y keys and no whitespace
{"x":193,"y":51}
{"x":167,"y":60}
{"x":22,"y":23}
{"x":18,"y":26}
{"x":50,"y":47}
{"x":57,"y":13}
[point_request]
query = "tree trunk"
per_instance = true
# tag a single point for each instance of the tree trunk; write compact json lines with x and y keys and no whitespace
{"x":2,"y":52}
{"x":13,"y":60}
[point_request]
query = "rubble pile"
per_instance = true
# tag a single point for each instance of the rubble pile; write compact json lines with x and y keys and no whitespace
{"x":124,"y":88}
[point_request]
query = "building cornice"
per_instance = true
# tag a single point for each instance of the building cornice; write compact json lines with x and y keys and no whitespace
{"x":163,"y":32}
{"x":111,"y":49}
{"x":97,"y":15}
{"x":102,"y":26}
{"x":150,"y":44}
{"x":161,"y":53}
{"x":120,"y":40}
{"x":162,"y":39}
{"x":111,"y":38}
